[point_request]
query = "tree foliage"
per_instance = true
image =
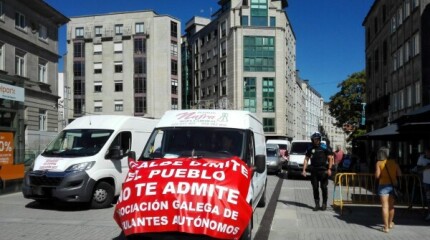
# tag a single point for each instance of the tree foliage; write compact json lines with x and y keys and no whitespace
{"x":346,"y":105}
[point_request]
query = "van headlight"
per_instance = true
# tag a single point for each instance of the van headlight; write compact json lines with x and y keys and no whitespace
{"x":80,"y":167}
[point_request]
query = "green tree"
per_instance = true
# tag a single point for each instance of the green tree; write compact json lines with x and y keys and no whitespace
{"x":346,"y":106}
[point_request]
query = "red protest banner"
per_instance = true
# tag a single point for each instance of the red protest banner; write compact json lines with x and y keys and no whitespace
{"x":197,"y":196}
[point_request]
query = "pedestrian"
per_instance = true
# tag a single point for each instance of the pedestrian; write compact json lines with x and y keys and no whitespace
{"x":423,"y":166}
{"x":321,"y":158}
{"x":386,"y":171}
{"x":338,"y":156}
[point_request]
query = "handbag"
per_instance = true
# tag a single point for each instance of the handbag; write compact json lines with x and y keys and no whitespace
{"x":397,"y":193}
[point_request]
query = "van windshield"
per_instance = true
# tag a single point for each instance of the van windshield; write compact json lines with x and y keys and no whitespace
{"x":195,"y":142}
{"x":77,"y":143}
{"x":299,"y":147}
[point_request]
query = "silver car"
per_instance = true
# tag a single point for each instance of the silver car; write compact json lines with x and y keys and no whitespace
{"x":274,"y":158}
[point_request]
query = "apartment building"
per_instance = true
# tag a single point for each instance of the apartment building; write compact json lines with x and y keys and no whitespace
{"x":29,"y":63}
{"x":397,"y":36}
{"x":335,"y":135}
{"x":123,"y":63}
{"x":397,"y":58}
{"x":243,"y":58}
{"x":28,"y":78}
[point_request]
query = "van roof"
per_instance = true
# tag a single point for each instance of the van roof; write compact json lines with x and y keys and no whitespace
{"x":208,"y":118}
{"x":111,"y":122}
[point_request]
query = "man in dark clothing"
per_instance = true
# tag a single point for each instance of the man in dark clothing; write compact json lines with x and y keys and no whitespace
{"x":321,"y":158}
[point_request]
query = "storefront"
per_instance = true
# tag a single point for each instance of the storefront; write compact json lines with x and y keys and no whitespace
{"x":11,"y":132}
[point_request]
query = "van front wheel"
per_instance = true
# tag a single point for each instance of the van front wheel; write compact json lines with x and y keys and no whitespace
{"x":103,"y":195}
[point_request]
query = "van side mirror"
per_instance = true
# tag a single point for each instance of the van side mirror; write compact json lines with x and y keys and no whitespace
{"x":260,"y":163}
{"x":115,"y":153}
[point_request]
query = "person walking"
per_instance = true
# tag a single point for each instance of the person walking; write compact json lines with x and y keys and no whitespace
{"x":386,"y":171}
{"x":321,"y":158}
{"x":338,"y":156}
{"x":423,"y":166}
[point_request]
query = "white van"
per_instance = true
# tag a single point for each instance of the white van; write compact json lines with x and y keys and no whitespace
{"x":284,"y":147}
{"x":194,"y":134}
{"x":297,"y":156}
{"x":87,"y":161}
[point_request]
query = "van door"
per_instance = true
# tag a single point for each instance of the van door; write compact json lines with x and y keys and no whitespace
{"x":123,"y":142}
{"x":256,"y":182}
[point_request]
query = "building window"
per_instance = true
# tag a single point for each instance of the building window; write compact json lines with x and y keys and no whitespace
{"x":416,"y":44}
{"x":415,"y":3}
{"x":174,"y":86}
{"x":223,"y":29}
{"x":43,"y":120}
{"x":1,"y":56}
{"x":174,"y":49}
{"x":417,"y":93}
{"x":173,"y":29}
{"x":98,"y":31}
{"x":269,"y":124}
{"x":118,"y":29}
{"x":393,"y":24}
{"x":139,"y":45}
{"x":78,"y":49}
{"x":118,"y":86}
{"x":407,"y":8}
{"x":98,"y":49}
{"x":268,"y":95}
{"x":139,"y":85}
{"x":98,"y":68}
{"x":140,"y":104}
{"x":174,"y":104}
{"x":117,"y":47}
{"x":174,"y":65}
{"x":223,"y":69}
{"x":259,"y":54}
{"x":409,"y":96}
{"x":98,"y":87}
{"x":273,"y":21}
{"x":1,"y":11}
{"x":400,"y":16}
{"x":259,"y":12}
{"x":118,"y":106}
{"x":244,"y":20}
{"x":223,"y":49}
{"x":249,"y":95}
{"x":20,"y":21}
{"x":139,"y":65}
{"x":223,"y":88}
{"x":20,"y":63}
{"x":43,"y":71}
{"x":98,"y":106}
{"x":118,"y":67}
{"x":78,"y":106}
{"x":43,"y":33}
{"x":79,"y":32}
{"x":78,"y":69}
{"x":139,"y":28}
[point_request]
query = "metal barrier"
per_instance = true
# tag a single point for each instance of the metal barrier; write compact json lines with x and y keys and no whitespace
{"x":360,"y":188}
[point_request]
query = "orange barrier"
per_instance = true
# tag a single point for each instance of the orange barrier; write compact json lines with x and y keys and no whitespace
{"x":11,"y":172}
{"x":360,"y":188}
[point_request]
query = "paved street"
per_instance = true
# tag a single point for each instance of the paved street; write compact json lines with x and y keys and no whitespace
{"x":288,"y":215}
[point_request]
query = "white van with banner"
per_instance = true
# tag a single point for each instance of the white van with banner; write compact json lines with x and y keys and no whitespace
{"x":201,"y":175}
{"x":87,"y":161}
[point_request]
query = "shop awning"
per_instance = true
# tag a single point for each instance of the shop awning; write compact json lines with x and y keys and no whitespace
{"x":386,"y":133}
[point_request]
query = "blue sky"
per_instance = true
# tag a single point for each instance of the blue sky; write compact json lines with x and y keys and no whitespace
{"x":329,"y":33}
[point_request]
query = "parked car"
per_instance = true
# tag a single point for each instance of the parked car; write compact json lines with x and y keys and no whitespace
{"x":274,"y":158}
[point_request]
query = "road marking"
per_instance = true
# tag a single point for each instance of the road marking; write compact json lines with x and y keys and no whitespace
{"x":266,"y":222}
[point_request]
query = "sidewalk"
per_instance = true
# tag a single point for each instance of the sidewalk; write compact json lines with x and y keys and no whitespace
{"x":294,"y":218}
